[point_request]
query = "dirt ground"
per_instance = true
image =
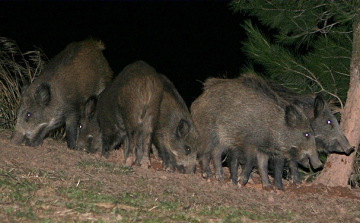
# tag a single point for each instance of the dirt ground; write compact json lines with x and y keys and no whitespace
{"x":66,"y":168}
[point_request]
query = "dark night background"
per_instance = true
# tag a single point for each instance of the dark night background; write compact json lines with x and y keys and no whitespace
{"x":186,"y":41}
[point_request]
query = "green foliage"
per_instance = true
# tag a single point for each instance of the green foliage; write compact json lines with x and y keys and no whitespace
{"x":299,"y":21}
{"x":307,"y":46}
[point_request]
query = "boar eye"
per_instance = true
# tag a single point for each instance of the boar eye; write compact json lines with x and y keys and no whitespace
{"x":187,"y":150}
{"x":28,"y":115}
{"x":80,"y":126}
{"x":329,"y":122}
{"x":306,"y":134}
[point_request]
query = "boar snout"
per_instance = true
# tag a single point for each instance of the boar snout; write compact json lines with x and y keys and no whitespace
{"x":190,"y":169}
{"x":349,"y":150}
{"x":17,"y":138}
{"x":315,"y":162}
{"x":305,"y":162}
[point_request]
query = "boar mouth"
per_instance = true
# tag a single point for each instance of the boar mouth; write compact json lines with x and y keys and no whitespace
{"x":337,"y":147}
{"x":314,"y":160}
{"x":37,"y":139}
{"x":33,"y":143}
{"x":341,"y":145}
{"x":345,"y":149}
{"x":17,"y":138}
{"x":349,"y":150}
{"x":305,"y":162}
{"x":186,"y":169}
{"x":181,"y":168}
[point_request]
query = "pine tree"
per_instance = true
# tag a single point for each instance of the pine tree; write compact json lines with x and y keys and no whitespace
{"x":312,"y":46}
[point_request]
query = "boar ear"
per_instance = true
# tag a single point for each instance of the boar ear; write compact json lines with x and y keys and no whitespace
{"x":319,"y":105}
{"x":25,"y":86}
{"x":298,"y":103}
{"x":42,"y":94}
{"x":90,"y":106}
{"x":292,"y":116}
{"x":182,"y":128}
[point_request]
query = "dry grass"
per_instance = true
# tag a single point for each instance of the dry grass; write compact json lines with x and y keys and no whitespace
{"x":16,"y":69}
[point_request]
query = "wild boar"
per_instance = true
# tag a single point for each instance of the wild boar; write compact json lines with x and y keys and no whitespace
{"x":56,"y":97}
{"x":328,"y":135}
{"x":175,"y":134}
{"x":127,"y":110}
{"x":246,"y":120}
{"x":141,"y":108}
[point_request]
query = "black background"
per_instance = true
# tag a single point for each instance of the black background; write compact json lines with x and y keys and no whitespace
{"x":186,"y":41}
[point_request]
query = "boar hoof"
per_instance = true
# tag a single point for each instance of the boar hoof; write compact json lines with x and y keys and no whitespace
{"x":128,"y":162}
{"x":219,"y":177}
{"x":145,"y":163}
{"x":169,"y":169}
{"x":268,"y":187}
{"x":297,"y":182}
{"x":240,"y":185}
{"x":206,"y":175}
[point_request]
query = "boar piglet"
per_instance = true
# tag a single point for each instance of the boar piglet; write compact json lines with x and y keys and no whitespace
{"x":56,"y":97}
{"x":246,"y":120}
{"x":328,"y":135}
{"x":126,"y":112}
{"x":175,"y":134}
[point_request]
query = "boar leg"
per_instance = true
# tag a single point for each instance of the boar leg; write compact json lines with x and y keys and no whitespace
{"x":263,"y":161}
{"x":278,"y":172}
{"x":234,"y":165}
{"x":165,"y":157}
{"x":127,"y":151}
{"x":155,"y":151}
{"x":146,"y":145}
{"x":246,"y":171}
{"x":105,"y":146}
{"x":295,"y":172}
{"x":71,"y":129}
{"x":205,"y":165}
{"x":134,"y":153}
{"x":216,"y":156}
{"x":136,"y":143}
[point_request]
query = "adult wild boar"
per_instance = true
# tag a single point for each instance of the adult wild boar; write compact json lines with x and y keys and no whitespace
{"x":328,"y":135}
{"x":56,"y":97}
{"x":175,"y":134}
{"x":146,"y":109}
{"x":127,"y":111}
{"x":245,"y":119}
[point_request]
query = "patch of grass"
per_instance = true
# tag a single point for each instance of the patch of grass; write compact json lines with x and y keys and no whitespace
{"x":84,"y":195}
{"x":14,"y":188}
{"x":27,"y":213}
{"x":84,"y":207}
{"x":107,"y":167}
{"x":133,"y":199}
{"x":232,"y":214}
{"x":167,"y":205}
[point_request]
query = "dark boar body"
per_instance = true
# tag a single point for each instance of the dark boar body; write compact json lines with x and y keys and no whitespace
{"x":56,"y":97}
{"x":246,"y":120}
{"x":328,"y":135}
